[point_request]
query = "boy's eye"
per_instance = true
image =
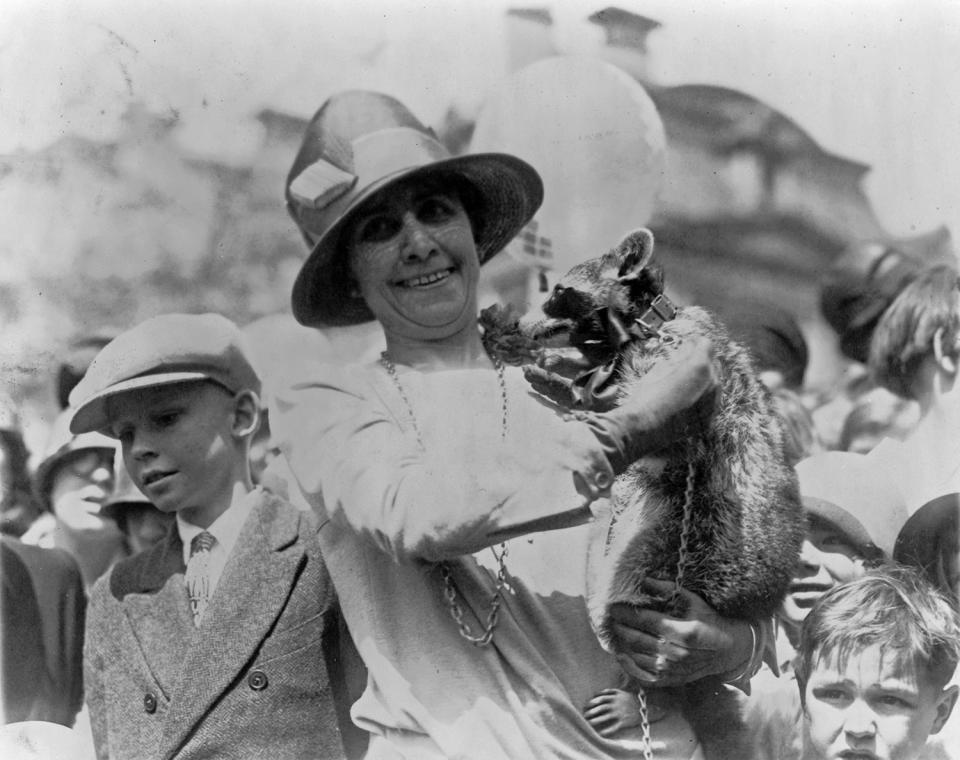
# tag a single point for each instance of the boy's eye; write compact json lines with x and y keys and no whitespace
{"x":892,"y":702}
{"x":166,"y":419}
{"x":831,"y":695}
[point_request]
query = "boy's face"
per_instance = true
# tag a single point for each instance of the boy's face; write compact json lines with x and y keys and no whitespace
{"x":179,"y":446}
{"x":880,"y":707}
{"x":827,"y":558}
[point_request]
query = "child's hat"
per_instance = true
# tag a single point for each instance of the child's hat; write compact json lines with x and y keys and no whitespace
{"x":848,"y":491}
{"x":170,"y":348}
{"x":920,"y":537}
{"x":358,"y":144}
{"x":61,"y":444}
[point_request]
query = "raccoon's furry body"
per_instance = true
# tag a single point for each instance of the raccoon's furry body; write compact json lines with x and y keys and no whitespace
{"x":745,"y":527}
{"x":746,"y":524}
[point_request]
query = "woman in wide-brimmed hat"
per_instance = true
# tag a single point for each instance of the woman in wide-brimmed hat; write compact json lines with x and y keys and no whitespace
{"x":443,"y":485}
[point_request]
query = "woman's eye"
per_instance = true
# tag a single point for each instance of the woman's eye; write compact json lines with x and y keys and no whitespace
{"x":377,"y":229}
{"x":436,"y":208}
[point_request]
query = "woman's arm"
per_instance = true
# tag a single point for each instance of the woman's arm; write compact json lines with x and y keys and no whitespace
{"x":355,"y":464}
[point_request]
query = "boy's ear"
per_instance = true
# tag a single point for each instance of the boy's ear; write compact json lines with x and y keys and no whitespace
{"x":945,"y":704}
{"x":945,"y":360}
{"x":246,"y":414}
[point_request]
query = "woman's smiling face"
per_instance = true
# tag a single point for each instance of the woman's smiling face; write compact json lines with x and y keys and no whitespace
{"x":415,"y":262}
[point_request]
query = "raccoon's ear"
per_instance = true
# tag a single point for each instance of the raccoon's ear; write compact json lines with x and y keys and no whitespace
{"x":634,"y":253}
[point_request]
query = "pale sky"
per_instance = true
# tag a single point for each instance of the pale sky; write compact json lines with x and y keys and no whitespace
{"x":873,"y":80}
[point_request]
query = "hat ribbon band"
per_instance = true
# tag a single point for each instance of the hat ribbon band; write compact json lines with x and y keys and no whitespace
{"x":375,"y":156}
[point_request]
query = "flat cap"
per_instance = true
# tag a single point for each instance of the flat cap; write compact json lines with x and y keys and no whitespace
{"x":170,"y":348}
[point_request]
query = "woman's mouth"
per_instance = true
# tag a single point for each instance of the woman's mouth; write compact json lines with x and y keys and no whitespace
{"x":425,"y":280}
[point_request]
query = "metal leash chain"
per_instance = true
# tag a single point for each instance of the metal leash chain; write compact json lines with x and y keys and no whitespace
{"x":684,"y":536}
{"x":645,"y":726}
{"x":674,"y":597}
{"x":449,"y":589}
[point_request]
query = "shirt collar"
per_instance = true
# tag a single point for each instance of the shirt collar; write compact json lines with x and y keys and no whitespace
{"x":226,"y":528}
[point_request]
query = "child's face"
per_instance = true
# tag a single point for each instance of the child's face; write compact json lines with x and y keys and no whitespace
{"x":827,"y":558}
{"x":179,"y":446}
{"x":880,"y":707}
{"x":79,"y":486}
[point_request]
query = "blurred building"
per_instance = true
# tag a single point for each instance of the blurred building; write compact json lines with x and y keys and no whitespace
{"x":751,"y":204}
{"x":113,"y":232}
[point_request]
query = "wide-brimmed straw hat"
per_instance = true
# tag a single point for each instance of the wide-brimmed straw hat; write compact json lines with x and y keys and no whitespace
{"x":360,"y":143}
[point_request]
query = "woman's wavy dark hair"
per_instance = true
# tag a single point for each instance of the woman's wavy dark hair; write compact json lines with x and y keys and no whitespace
{"x":904,"y":335}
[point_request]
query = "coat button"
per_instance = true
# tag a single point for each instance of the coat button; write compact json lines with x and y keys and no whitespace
{"x":603,"y":480}
{"x":257,"y":680}
{"x":149,"y":703}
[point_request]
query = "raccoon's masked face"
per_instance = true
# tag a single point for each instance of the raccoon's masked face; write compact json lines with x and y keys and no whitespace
{"x":623,"y":281}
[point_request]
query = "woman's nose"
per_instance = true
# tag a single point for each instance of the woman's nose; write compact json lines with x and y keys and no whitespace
{"x":418,"y":243}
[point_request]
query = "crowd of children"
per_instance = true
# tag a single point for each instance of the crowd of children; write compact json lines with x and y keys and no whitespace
{"x":185,"y":608}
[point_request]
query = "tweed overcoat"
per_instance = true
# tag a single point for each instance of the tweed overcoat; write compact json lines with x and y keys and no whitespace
{"x":250,"y":681}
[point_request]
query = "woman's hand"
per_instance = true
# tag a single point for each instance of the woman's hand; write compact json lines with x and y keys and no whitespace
{"x":612,"y":710}
{"x":660,"y":650}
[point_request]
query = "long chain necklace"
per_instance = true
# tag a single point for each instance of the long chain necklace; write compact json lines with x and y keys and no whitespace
{"x":449,"y":590}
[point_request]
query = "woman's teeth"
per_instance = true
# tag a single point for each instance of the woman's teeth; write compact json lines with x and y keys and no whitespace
{"x":426,"y":279}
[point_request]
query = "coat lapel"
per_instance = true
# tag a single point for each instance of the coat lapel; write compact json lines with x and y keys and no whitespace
{"x":250,"y":595}
{"x":155,"y":603}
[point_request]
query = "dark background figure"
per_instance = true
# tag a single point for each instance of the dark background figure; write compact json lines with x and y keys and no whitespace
{"x":774,"y":339}
{"x":43,"y":606}
{"x":80,"y":352}
{"x":18,"y":508}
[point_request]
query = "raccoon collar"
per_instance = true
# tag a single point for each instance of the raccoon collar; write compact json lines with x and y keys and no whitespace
{"x":596,"y":388}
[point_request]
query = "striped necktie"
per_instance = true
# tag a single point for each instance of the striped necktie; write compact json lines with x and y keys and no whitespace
{"x":198,"y":574}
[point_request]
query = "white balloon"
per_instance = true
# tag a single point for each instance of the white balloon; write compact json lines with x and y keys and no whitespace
{"x":596,"y":139}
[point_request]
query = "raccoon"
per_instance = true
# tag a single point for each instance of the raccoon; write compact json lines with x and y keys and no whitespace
{"x":733,"y":481}
{"x":745,"y":524}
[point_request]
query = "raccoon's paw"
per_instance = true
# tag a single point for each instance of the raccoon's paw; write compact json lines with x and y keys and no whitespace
{"x":555,"y":387}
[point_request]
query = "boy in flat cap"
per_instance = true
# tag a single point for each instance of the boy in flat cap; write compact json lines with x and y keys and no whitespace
{"x":210,"y":643}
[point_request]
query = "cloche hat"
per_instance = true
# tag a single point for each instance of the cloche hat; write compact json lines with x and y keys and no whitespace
{"x":846,"y":490}
{"x":360,"y":143}
{"x":921,"y":536}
